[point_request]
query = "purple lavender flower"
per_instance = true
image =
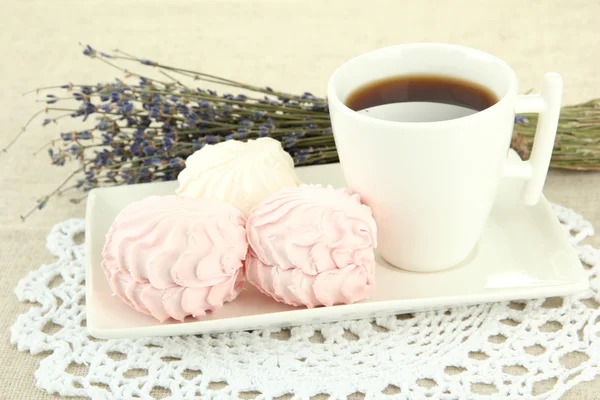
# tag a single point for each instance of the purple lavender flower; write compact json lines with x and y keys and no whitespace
{"x":226,"y":110}
{"x":176,"y":162}
{"x":242,"y":133}
{"x":300,"y":156}
{"x":84,"y":135}
{"x":148,"y":148}
{"x":106,"y":107}
{"x":59,"y":159}
{"x":139,"y":134}
{"x":89,"y":51}
{"x":88,"y":108}
{"x":521,"y":119}
{"x":127,"y":176}
{"x":191,"y":119}
{"x":263,"y":131}
{"x":322,"y":108}
{"x":115,"y":97}
{"x":167,"y":128}
{"x":106,"y":139}
{"x":144,"y":122}
{"x":182,"y":109}
{"x":145,"y":175}
{"x":168,"y":143}
{"x":154,"y":112}
{"x":75,"y":149}
{"x":46,"y":121}
{"x":196,"y":144}
{"x":289,"y":141}
{"x":103,"y":125}
{"x":211,"y":139}
{"x":298,"y":134}
{"x":102,"y":158}
{"x":66,"y":136}
{"x":126,"y":108}
{"x":42,"y":203}
{"x":154,"y":161}
{"x":89,"y":175}
{"x":136,"y":148}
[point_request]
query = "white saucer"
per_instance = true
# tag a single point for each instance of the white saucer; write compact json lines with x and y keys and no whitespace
{"x":524,"y":253}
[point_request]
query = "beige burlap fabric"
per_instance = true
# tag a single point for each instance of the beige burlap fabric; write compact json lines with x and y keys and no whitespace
{"x":293,"y":45}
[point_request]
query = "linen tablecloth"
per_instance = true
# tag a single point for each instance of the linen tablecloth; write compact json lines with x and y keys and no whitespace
{"x":293,"y":45}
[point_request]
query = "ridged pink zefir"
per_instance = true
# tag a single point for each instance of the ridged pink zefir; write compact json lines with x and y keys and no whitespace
{"x":312,"y":246}
{"x":170,"y":256}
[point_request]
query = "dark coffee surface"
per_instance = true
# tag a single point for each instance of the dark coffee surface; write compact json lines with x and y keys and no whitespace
{"x":422,"y":88}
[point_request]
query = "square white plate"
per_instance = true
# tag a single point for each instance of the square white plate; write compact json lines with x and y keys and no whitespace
{"x":524,"y":253}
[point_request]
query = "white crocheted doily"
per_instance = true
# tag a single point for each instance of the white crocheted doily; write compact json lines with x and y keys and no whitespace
{"x":532,"y":349}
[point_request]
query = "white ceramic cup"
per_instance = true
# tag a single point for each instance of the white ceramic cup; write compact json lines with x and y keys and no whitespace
{"x":431,"y":185}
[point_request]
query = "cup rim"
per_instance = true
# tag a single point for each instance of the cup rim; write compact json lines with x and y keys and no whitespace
{"x":512,"y":88}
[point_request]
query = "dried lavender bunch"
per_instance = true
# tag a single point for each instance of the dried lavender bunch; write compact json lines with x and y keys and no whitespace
{"x":145,"y":128}
{"x":142,"y":129}
{"x":577,"y":145}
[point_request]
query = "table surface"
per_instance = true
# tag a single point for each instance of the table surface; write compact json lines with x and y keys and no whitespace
{"x":292,"y":45}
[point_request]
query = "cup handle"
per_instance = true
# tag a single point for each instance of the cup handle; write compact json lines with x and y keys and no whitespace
{"x":535,"y":169}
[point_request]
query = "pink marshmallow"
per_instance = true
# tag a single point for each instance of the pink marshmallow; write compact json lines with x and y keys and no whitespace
{"x":171,"y":257}
{"x":312,"y":246}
